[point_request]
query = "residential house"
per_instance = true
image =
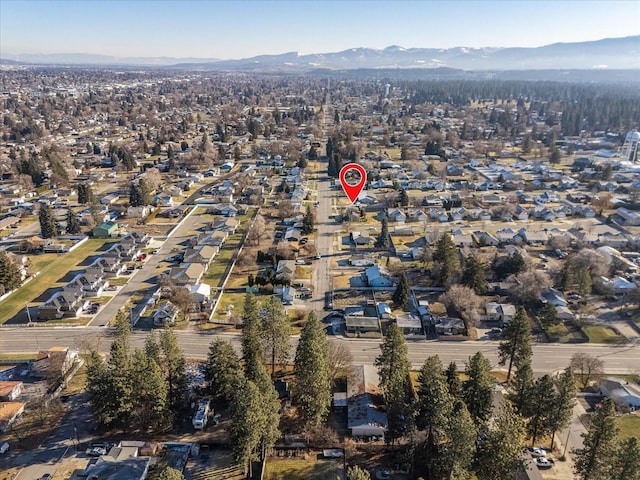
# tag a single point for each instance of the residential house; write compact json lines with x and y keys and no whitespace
{"x":163,"y":199}
{"x":409,"y":323}
{"x":506,"y":235}
{"x":201,"y":292}
{"x":62,"y":304}
{"x":361,"y":261}
{"x":53,"y":363}
{"x":361,"y":238}
{"x":625,"y":395}
{"x":555,"y":297}
{"x":619,"y":285}
{"x":126,"y":252}
{"x":288,"y":295}
{"x":138,"y":212}
{"x":366,"y":415}
{"x":629,"y":218}
{"x":377,"y":276}
{"x":9,"y":413}
{"x":533,"y":237}
{"x":356,"y":325}
{"x":203,"y":254}
{"x":286,"y":267}
{"x":187,"y":274}
{"x":10,"y":390}
{"x":485,"y":239}
{"x":109,"y":267}
{"x":90,"y":284}
{"x":498,"y":312}
{"x":166,"y":314}
{"x":449,"y":326}
{"x":397,"y":215}
{"x":293,"y":234}
{"x":384,"y":311}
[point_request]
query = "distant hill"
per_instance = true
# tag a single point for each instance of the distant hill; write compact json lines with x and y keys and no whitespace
{"x":611,"y":53}
{"x":90,"y":59}
{"x":606,"y":54}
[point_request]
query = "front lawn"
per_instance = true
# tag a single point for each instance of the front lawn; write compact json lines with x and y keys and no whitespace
{"x":51,"y":273}
{"x":309,"y":468}
{"x":629,"y":426}
{"x":603,"y":334}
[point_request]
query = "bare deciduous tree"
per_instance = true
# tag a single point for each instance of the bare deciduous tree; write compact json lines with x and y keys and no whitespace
{"x":586,"y":367}
{"x":340,"y":358}
{"x":530,"y":285}
{"x":463,"y":300}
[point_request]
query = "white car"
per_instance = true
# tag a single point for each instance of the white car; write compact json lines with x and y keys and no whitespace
{"x":96,"y":451}
{"x":543,"y":462}
{"x":537,"y":452}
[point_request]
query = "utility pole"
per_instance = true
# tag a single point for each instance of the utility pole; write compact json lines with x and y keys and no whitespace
{"x":26,"y":306}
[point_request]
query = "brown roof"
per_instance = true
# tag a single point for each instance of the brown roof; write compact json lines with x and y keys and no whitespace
{"x":8,"y":410}
{"x":7,"y":387}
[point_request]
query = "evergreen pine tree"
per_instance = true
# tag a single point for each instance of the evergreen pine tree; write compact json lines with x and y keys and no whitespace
{"x":251,"y":346}
{"x":477,"y":390}
{"x":445,"y":259}
{"x":542,"y":399}
{"x":275,"y":332}
{"x":592,"y":461}
{"x":499,"y":457}
{"x":516,"y":343}
{"x":383,"y":240}
{"x":173,"y":364}
{"x":453,"y":380}
{"x":626,"y":461}
{"x":402,"y":293}
{"x":73,"y":223}
{"x":393,"y":370}
{"x":563,"y":402}
{"x":520,"y":389}
{"x":47,"y":222}
{"x":221,"y":370}
{"x":313,"y":385}
{"x":474,"y":275}
{"x":10,"y":277}
{"x":308,"y":221}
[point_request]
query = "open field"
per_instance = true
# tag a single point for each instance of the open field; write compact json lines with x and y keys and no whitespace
{"x":52,"y":274}
{"x":308,"y":468}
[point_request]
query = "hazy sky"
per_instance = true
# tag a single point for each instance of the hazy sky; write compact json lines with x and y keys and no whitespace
{"x":236,"y":29}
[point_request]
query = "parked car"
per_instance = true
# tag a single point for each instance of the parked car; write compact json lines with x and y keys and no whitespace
{"x":46,"y":476}
{"x":538,"y":452}
{"x":96,"y":451}
{"x":544,"y":462}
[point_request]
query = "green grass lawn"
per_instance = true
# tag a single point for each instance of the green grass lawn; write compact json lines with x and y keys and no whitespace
{"x":303,"y":469}
{"x":602,"y":334}
{"x":50,"y":273}
{"x":629,"y":426}
{"x":235,"y":299}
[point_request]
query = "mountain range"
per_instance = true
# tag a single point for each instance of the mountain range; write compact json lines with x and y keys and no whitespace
{"x":610,"y":53}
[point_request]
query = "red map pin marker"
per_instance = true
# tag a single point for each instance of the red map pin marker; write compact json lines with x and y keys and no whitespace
{"x":352,"y":191}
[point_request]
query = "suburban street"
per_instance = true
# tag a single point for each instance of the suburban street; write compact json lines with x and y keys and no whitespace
{"x":135,"y":282}
{"x":618,"y":359}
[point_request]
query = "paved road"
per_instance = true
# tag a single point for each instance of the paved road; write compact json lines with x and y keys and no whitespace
{"x":618,"y":359}
{"x":324,"y":242}
{"x":143,"y":279}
